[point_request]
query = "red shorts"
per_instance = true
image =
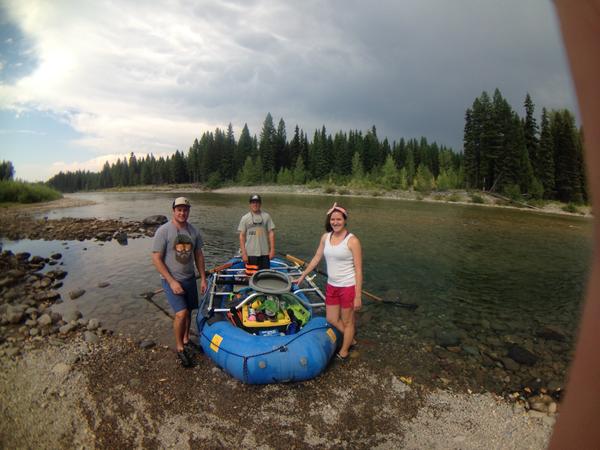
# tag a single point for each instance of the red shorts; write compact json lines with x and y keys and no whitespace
{"x":343,"y":296}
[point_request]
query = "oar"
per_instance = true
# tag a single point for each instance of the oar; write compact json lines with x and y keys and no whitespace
{"x":150,"y":294}
{"x":411,"y":306}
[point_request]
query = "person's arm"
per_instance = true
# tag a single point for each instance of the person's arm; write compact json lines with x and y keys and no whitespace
{"x":157,"y":260}
{"x":314,"y":262}
{"x":243,"y":246}
{"x":577,"y":423}
{"x":199,"y":257}
{"x":355,"y":248}
{"x":271,"y":244}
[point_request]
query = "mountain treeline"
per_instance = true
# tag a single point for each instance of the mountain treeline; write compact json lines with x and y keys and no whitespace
{"x":502,"y":152}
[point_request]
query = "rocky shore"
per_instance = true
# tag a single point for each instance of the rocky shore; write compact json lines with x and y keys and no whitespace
{"x":66,"y":381}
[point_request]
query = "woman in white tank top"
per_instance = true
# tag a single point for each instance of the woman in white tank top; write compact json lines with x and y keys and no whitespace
{"x":343,"y":255}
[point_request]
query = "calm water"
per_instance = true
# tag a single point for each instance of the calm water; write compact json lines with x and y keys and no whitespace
{"x":487,"y":273}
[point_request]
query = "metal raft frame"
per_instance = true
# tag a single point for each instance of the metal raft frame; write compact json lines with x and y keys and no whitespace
{"x":239,"y":276}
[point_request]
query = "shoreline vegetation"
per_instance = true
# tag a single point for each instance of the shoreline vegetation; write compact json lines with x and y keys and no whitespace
{"x":22,"y":192}
{"x":455,"y":196}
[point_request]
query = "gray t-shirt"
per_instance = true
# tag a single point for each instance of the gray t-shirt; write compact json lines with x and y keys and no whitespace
{"x":177,"y":248}
{"x":256,"y":227}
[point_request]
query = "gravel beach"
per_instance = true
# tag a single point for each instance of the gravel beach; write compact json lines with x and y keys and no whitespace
{"x":113,"y":394}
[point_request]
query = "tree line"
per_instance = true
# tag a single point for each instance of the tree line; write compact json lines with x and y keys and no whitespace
{"x":502,"y":152}
{"x":514,"y":155}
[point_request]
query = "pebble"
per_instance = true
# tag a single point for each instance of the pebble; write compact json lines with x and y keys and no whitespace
{"x":66,"y":328}
{"x":61,"y":369}
{"x":91,"y":337}
{"x":93,"y":324}
{"x":147,"y":344}
{"x":71,"y":316}
{"x":103,"y":284}
{"x":76,"y":293}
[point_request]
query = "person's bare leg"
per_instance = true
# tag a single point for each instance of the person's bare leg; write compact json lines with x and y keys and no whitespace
{"x":188,"y":322}
{"x":332,"y":314}
{"x":179,"y":324}
{"x":349,"y":328}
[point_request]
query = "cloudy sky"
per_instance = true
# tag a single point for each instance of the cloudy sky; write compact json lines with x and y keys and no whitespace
{"x":86,"y":81}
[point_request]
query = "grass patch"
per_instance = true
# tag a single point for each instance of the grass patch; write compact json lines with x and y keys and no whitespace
{"x":454,"y":197}
{"x":343,"y":191}
{"x":571,"y":208}
{"x":439,"y":197}
{"x":476,"y":198}
{"x":329,"y":190}
{"x":23,"y":192}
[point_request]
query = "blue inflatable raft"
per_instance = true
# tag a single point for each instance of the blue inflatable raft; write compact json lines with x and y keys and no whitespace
{"x":261,"y":328}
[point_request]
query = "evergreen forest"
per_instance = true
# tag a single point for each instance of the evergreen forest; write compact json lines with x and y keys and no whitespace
{"x":502,"y":152}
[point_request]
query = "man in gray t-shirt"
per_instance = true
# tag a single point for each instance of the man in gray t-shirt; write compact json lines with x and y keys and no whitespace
{"x":176,"y":248}
{"x":257,"y":235}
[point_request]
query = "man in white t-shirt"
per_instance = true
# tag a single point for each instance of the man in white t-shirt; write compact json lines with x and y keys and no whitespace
{"x":257,"y":235}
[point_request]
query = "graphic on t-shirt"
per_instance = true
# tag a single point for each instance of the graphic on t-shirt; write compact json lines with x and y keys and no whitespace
{"x":183,"y":248}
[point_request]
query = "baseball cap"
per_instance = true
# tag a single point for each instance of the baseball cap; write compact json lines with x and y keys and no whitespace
{"x":255,"y":198}
{"x":181,"y":201}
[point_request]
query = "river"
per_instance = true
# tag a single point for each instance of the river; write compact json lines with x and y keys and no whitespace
{"x":486,"y":277}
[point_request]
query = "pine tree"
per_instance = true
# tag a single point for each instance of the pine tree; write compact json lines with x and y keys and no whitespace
{"x":545,"y":157}
{"x":567,"y":164}
{"x":7,"y":170}
{"x":299,"y":174}
{"x":357,"y":168}
{"x":530,"y":129}
{"x":266,"y":148}
{"x":389,"y":174}
{"x":243,"y":149}
{"x":280,"y":147}
{"x":424,"y":181}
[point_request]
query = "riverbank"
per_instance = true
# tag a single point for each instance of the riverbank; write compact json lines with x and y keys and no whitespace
{"x":458,"y":196}
{"x":114,"y":394}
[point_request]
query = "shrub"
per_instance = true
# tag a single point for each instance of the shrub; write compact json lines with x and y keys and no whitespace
{"x":571,"y":208}
{"x":343,"y":191}
{"x":214,"y":181}
{"x":513,"y":191}
{"x":476,"y":198}
{"x":23,"y":192}
{"x":454,"y":197}
{"x":329,"y":190}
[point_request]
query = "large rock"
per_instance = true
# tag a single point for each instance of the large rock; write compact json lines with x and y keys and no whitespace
{"x":447,"y":338}
{"x":121,"y":237}
{"x":155,"y":220}
{"x":522,"y":355}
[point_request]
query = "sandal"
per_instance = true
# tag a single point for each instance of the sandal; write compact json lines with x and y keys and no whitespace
{"x":184,"y":359}
{"x":192,"y":348}
{"x":341,"y":358}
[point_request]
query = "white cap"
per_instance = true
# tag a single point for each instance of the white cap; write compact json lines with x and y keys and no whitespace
{"x":181,"y":201}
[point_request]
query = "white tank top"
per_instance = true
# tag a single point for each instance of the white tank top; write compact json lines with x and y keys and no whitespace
{"x":340,"y":262}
